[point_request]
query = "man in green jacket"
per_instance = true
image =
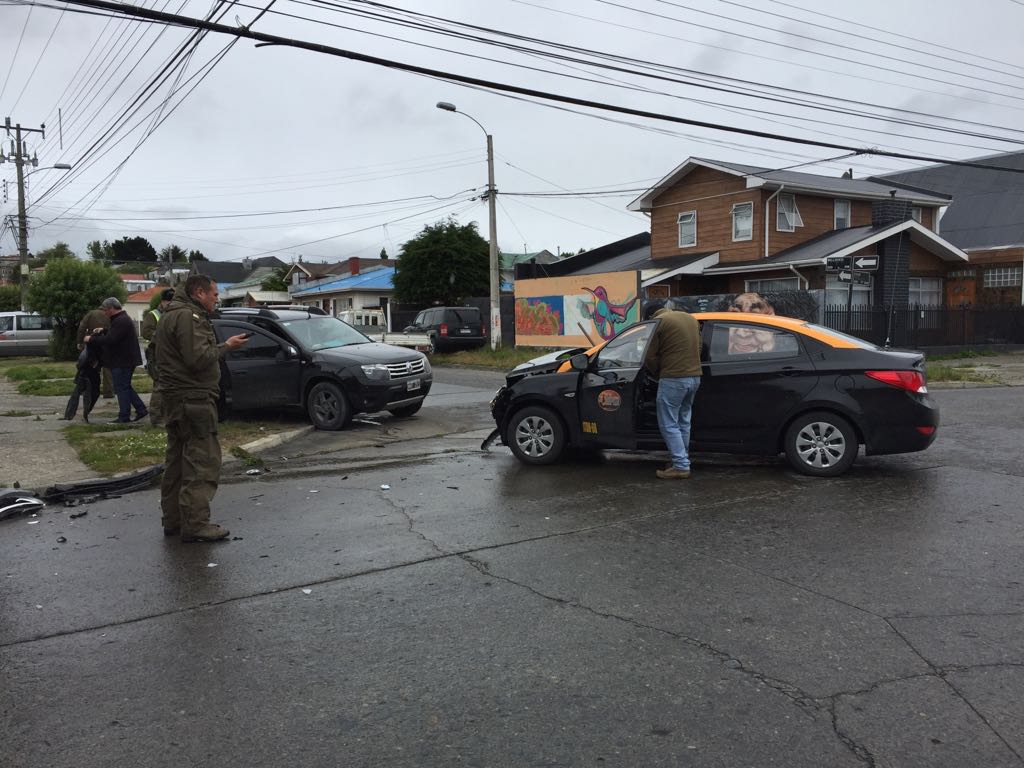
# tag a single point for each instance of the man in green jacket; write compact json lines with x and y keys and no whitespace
{"x":96,"y":318}
{"x":149,"y":323}
{"x":673,"y":356}
{"x":188,"y":378}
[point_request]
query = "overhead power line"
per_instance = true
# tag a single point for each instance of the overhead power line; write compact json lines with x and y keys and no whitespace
{"x":185,"y":21}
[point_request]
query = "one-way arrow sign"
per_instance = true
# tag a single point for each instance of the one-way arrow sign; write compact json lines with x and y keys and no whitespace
{"x":866,"y":263}
{"x":854,"y":277}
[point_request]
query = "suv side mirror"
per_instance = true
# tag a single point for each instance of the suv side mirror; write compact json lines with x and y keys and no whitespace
{"x":579,"y":362}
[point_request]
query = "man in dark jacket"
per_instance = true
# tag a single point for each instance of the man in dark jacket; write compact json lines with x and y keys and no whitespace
{"x":119,"y":349}
{"x":673,"y":356}
{"x":96,"y":318}
{"x":188,"y":378}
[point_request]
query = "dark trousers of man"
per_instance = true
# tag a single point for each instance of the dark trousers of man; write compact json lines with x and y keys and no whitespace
{"x":127,"y":397}
{"x":108,"y":383}
{"x":192,"y":464}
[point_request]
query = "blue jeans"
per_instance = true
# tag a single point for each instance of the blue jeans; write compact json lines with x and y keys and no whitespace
{"x":127,"y":398}
{"x":675,"y":402}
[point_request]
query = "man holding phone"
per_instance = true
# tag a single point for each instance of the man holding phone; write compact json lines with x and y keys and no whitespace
{"x":188,"y":364}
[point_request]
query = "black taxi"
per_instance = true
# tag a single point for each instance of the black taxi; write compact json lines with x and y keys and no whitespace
{"x":769,"y":385}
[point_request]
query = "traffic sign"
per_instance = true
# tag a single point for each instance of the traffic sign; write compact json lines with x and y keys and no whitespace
{"x":865,"y":263}
{"x":836,"y":263}
{"x":854,"y":277}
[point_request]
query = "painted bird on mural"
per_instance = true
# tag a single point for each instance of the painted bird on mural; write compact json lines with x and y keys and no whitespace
{"x":604,"y":313}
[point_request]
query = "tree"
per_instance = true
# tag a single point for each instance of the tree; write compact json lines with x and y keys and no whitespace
{"x":173,"y":254}
{"x":384,"y":254}
{"x":196,"y":256}
{"x":10,"y":298}
{"x":446,"y":262}
{"x":133,"y":249}
{"x":65,"y":291}
{"x":58,"y":251}
{"x":100,"y":251}
{"x":276,"y":281}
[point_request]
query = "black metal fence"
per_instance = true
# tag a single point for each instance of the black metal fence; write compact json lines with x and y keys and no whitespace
{"x":929,"y":326}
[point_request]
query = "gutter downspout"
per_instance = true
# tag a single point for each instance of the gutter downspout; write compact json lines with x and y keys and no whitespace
{"x":767,"y":211}
{"x":807,"y":284}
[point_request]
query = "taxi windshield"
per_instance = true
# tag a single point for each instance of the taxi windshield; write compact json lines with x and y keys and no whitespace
{"x":323,"y":332}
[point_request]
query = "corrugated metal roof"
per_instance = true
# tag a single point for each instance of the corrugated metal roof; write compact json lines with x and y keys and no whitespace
{"x":988,"y":206}
{"x":375,"y":280}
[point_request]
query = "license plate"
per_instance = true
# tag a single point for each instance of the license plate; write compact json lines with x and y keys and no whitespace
{"x":466,"y":331}
{"x":412,"y":384}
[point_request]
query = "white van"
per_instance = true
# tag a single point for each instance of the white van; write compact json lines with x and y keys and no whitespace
{"x":24,"y":333}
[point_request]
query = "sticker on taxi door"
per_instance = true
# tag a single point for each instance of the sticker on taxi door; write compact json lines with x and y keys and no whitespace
{"x":609,"y":400}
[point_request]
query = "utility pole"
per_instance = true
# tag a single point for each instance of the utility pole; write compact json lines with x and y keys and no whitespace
{"x":19,"y":156}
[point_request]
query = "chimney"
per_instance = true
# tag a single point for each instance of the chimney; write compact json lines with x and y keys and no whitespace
{"x":848,"y":174}
{"x":891,"y":211}
{"x":353,"y":265}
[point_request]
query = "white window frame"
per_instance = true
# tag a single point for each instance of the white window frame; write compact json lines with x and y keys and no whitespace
{"x":1001,"y":277}
{"x":917,"y":213}
{"x":771,"y":285}
{"x":837,"y":293}
{"x":924,"y":285}
{"x":750,"y":231}
{"x":848,"y":218}
{"x":791,"y":217}
{"x":679,"y":227}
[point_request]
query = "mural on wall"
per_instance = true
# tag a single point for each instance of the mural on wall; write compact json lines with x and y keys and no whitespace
{"x":575,"y":311}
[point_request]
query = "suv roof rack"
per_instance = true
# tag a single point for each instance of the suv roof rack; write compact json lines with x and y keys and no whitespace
{"x":270,"y":311}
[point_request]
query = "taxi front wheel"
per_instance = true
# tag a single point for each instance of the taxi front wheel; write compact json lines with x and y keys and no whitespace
{"x":536,"y":435}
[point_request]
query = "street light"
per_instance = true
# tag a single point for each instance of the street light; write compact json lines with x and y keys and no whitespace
{"x":492,"y":194}
{"x":20,"y":158}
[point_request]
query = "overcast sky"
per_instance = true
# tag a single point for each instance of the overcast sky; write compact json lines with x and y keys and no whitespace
{"x":341,"y":158}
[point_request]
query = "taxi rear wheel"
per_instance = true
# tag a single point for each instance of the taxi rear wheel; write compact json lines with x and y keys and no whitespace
{"x":536,"y":435}
{"x":821,"y":444}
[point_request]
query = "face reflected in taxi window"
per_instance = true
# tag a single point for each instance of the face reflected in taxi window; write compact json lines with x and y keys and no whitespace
{"x":746,"y":340}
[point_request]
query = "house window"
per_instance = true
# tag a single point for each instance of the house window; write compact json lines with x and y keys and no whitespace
{"x":841,"y":217}
{"x":1001,"y":277}
{"x":742,"y":221}
{"x":687,"y":229}
{"x":788,"y":217}
{"x":838,"y":293}
{"x":917,"y":213}
{"x":925,"y":291}
{"x":778,"y":284}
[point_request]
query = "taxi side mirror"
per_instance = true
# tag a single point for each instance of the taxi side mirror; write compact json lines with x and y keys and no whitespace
{"x":579,"y":362}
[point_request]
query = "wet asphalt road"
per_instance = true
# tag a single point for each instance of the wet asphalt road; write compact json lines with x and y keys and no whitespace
{"x":481,"y":613}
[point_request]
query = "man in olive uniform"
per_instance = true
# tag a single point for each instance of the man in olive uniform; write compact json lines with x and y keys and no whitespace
{"x":188,"y":377}
{"x":94,"y":319}
{"x":149,"y":322}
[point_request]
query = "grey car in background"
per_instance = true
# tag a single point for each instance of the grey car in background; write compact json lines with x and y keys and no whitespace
{"x":24,"y":333}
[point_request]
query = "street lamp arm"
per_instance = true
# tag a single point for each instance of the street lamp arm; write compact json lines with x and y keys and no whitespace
{"x":449,"y":107}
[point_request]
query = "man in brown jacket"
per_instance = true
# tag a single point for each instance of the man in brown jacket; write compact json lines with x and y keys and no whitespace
{"x":188,"y":378}
{"x":96,"y":318}
{"x":673,"y":356}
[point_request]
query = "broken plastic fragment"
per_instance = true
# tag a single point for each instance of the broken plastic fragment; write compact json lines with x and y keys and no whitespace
{"x":385,"y":487}
{"x":307,"y":591}
{"x":32,"y":522}
{"x":252,"y":472}
{"x":211,"y":565}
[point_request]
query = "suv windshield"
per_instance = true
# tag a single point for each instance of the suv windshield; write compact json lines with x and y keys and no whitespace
{"x":323,"y":332}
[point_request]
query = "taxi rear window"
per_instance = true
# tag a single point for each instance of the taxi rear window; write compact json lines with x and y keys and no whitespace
{"x":830,"y":332}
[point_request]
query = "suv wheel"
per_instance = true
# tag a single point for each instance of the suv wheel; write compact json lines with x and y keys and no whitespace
{"x":327,"y":407}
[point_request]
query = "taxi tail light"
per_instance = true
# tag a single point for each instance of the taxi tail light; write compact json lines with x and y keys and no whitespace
{"x":926,"y":430}
{"x":444,"y":329}
{"x":911,"y":381}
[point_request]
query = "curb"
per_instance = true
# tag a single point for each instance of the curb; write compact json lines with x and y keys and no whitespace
{"x":272,"y":441}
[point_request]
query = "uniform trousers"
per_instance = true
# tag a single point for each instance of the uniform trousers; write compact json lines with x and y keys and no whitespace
{"x":192,"y":464}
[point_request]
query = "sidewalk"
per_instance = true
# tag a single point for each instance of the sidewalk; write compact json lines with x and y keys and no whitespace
{"x":1007,"y":369}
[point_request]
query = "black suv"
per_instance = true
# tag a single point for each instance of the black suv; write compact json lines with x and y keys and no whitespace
{"x":299,"y":358}
{"x":451,"y":327}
